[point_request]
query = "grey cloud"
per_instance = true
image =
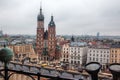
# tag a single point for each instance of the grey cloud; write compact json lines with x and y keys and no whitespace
{"x":71,"y":16}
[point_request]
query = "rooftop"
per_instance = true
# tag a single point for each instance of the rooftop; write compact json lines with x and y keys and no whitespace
{"x":78,"y":44}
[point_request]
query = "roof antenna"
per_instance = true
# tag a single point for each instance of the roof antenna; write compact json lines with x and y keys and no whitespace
{"x":41,"y":7}
{"x":41,"y":4}
{"x":52,"y":17}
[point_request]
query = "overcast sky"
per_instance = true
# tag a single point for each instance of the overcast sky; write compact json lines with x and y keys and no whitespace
{"x":72,"y":17}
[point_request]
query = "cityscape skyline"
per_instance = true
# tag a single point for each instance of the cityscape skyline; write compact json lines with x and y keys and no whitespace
{"x":71,"y":17}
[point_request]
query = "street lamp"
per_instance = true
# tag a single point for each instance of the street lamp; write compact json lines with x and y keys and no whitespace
{"x":93,"y":68}
{"x":115,"y":70}
{"x":5,"y":56}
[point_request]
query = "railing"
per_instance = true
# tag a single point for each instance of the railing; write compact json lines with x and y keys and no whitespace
{"x":36,"y":73}
{"x":52,"y":74}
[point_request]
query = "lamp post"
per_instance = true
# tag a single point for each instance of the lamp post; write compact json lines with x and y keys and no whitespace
{"x":115,"y":70}
{"x":93,"y":68}
{"x":5,"y":56}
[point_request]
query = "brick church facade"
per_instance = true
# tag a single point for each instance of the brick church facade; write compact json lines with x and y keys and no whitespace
{"x":45,"y":39}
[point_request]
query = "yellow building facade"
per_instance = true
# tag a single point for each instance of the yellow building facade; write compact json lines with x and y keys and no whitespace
{"x":115,"y":54}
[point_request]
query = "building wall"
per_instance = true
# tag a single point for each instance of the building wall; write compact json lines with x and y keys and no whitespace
{"x":22,"y":51}
{"x":115,"y":55}
{"x":75,"y":53}
{"x":98,"y":55}
{"x":39,"y":38}
{"x":51,"y":41}
{"x":78,"y":55}
{"x":65,"y":53}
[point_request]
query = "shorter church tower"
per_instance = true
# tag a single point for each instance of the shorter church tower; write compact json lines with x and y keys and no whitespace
{"x":51,"y":38}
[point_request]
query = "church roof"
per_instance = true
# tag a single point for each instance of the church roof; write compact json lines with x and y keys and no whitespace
{"x":51,"y":24}
{"x":78,"y":44}
{"x":40,"y":16}
{"x":46,"y":35}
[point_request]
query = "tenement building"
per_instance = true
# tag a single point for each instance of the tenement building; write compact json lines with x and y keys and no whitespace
{"x":115,"y":53}
{"x":101,"y":55}
{"x":45,"y":39}
{"x":78,"y":53}
{"x":65,"y":52}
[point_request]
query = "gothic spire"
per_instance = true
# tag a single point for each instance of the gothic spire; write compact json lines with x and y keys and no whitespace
{"x":52,"y":24}
{"x":40,"y":16}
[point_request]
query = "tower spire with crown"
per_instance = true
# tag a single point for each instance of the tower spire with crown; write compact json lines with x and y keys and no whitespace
{"x":51,"y":23}
{"x":40,"y":16}
{"x":40,"y":7}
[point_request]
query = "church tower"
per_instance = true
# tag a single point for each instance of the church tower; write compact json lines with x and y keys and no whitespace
{"x":45,"y":39}
{"x":51,"y":38}
{"x":40,"y":32}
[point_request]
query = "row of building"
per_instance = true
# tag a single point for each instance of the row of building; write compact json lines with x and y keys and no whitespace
{"x":80,"y":53}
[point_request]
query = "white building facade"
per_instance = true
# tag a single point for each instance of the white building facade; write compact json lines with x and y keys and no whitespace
{"x":65,"y":53}
{"x":101,"y":55}
{"x":78,"y":53}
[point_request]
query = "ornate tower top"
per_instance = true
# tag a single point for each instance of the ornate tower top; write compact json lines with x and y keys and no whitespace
{"x":51,"y":24}
{"x":40,"y":16}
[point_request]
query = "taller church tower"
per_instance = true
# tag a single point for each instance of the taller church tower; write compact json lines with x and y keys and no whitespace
{"x":40,"y":32}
